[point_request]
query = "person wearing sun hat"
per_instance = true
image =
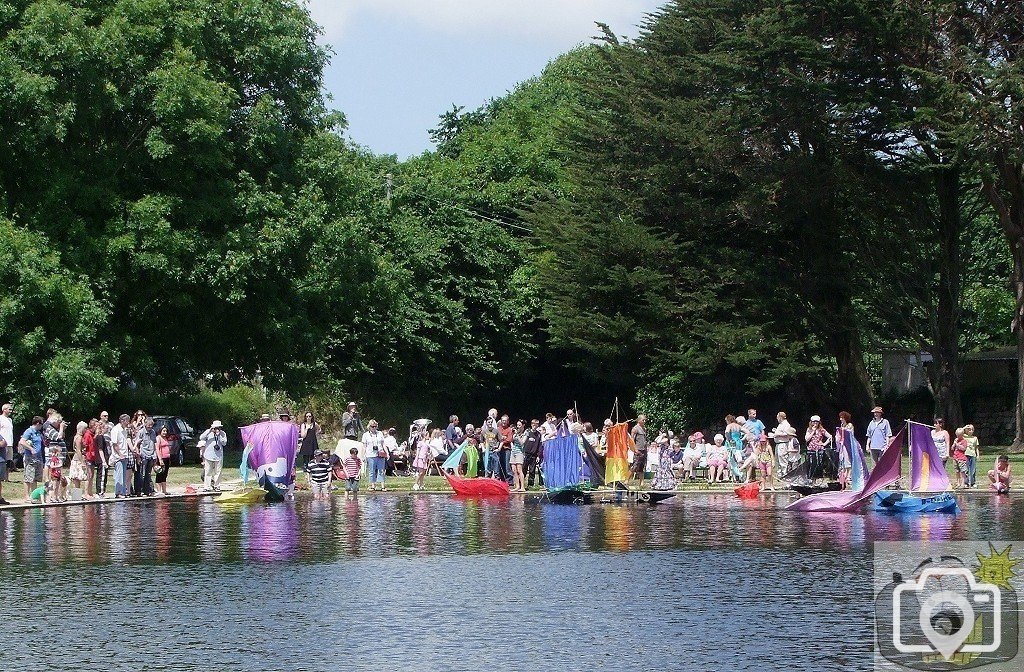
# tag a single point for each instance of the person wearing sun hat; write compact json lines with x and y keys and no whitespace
{"x":818,"y":439}
{"x":351,"y":422}
{"x":879,"y":434}
{"x":214,"y":441}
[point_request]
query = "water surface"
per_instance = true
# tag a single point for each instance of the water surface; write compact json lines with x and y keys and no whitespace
{"x":701,"y":582}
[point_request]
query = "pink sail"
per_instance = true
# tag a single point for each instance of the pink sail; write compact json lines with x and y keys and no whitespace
{"x":886,"y":472}
{"x":927,"y":472}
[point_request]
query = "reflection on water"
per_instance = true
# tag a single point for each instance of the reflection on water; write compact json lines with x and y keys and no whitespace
{"x":701,"y":582}
{"x":200,"y":530}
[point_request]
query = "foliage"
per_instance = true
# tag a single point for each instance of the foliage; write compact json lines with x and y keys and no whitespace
{"x":52,"y":351}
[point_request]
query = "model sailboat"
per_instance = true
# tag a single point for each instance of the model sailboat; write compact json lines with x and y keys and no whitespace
{"x":929,"y":482}
{"x":470,"y":487}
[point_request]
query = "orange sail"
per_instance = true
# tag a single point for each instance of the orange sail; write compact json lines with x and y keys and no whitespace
{"x":616,"y":466}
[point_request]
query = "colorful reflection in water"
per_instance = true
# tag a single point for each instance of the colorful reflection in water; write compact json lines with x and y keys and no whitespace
{"x":182,"y":531}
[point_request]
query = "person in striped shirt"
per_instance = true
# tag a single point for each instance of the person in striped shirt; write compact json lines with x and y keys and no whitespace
{"x":352,"y":466}
{"x":319,"y":472}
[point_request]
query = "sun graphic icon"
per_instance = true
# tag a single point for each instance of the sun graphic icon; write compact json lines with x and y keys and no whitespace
{"x":996,"y":568}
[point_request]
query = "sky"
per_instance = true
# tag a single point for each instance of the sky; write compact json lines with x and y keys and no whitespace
{"x":399,"y":64}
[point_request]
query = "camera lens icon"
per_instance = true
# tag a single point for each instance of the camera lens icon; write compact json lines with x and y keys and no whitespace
{"x":946,"y":618}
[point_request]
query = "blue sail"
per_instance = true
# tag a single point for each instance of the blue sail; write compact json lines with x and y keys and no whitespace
{"x":859,"y":468}
{"x":563,"y":463}
{"x":453,"y":460}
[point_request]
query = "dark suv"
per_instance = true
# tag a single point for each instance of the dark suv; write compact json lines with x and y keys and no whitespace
{"x":181,"y":436}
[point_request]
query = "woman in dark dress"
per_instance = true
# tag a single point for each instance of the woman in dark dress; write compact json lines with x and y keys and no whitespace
{"x":309,"y":435}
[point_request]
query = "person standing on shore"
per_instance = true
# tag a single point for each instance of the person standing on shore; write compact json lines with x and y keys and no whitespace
{"x":145,"y":440}
{"x":77,"y":471}
{"x":517,"y":457}
{"x":491,"y":440}
{"x":784,"y":437}
{"x":639,"y":436}
{"x":215,"y":440}
{"x":101,"y":462}
{"x":163,"y":460}
{"x":818,"y":440}
{"x":973,"y":453}
{"x":31,"y":446}
{"x":309,"y":437}
{"x":453,"y":433}
{"x":377,"y":455}
{"x":89,"y":453}
{"x":505,"y":437}
{"x":119,"y":455}
{"x":532,"y":454}
{"x":351,"y":422}
{"x":942,"y":440}
{"x":755,"y":428}
{"x":6,"y":447}
{"x":879,"y":434}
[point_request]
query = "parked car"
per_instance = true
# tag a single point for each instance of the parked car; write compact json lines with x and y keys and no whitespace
{"x":181,"y":435}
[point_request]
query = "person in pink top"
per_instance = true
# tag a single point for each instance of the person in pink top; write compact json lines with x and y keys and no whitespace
{"x":718,"y":460}
{"x":163,"y":460}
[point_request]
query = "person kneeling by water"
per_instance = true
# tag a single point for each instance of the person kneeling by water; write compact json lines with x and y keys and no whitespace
{"x":1000,"y":476}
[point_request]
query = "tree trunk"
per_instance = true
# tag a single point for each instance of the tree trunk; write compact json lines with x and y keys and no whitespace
{"x":853,"y":389}
{"x":945,"y":374}
{"x":1005,"y":191}
{"x":1017,"y":280}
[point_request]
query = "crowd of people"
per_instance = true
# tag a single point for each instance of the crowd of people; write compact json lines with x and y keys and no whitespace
{"x":131,"y":450}
{"x":743,"y":451}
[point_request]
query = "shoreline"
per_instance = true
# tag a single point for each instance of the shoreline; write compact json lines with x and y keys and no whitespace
{"x":539,"y":494}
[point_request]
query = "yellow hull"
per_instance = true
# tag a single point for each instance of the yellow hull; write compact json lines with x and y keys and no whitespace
{"x":247,"y":496}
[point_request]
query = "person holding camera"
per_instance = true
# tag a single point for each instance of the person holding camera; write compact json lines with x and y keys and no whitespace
{"x":352,"y":422}
{"x":377,"y":455}
{"x":215,"y":439}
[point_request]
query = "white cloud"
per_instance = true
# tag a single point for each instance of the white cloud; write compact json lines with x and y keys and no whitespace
{"x":563,"y":20}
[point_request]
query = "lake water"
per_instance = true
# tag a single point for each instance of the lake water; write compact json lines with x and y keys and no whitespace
{"x":701,"y":582}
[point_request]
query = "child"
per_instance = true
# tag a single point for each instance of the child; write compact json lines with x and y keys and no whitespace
{"x":960,"y":457}
{"x":319,"y":473}
{"x":38,"y":495}
{"x":57,"y":484}
{"x":421,"y":455}
{"x":973,"y":454}
{"x":352,"y":465}
{"x":1000,"y":477}
{"x":765,"y":460}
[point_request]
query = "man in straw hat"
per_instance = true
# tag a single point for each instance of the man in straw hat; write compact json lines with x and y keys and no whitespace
{"x":879,"y":434}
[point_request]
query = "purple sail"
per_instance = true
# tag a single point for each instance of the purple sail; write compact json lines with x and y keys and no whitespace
{"x":273,"y":450}
{"x":886,"y":472}
{"x":927,"y":472}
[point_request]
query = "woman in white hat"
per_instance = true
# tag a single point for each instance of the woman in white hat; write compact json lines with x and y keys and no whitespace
{"x":214,"y":441}
{"x":817,"y":438}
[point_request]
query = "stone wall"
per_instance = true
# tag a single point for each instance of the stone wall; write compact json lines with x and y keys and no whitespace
{"x":992,"y":418}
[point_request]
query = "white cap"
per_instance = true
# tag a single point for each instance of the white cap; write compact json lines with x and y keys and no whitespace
{"x":815,"y":418}
{"x":216,"y":425}
{"x":719,"y":437}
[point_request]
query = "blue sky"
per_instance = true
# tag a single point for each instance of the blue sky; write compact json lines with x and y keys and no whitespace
{"x":398,"y":64}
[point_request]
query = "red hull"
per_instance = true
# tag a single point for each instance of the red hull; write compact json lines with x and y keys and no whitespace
{"x":477,"y":487}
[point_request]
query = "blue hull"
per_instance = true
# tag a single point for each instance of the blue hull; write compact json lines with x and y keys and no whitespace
{"x":889,"y":501}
